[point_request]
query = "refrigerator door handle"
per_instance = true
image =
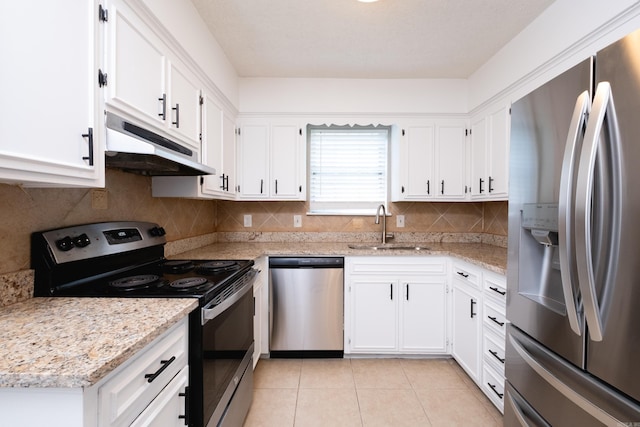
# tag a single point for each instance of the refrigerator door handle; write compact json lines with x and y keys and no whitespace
{"x":563,"y":388}
{"x":565,"y":208}
{"x":603,"y":108}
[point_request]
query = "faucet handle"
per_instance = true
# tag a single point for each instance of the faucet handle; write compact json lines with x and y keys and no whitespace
{"x":389,"y":236}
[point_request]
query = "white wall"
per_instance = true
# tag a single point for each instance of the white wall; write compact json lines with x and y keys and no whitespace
{"x":563,"y":35}
{"x":185,"y":24}
{"x":320,"y":96}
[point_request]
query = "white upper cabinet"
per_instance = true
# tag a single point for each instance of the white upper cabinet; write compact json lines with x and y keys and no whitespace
{"x":490,"y":154}
{"x":429,"y":162}
{"x":218,"y":135}
{"x":271,"y":161}
{"x":51,"y":129}
{"x":145,"y":80}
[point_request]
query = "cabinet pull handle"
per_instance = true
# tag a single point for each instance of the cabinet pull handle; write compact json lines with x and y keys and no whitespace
{"x":185,"y":417}
{"x":471,"y":308}
{"x":177,"y":110}
{"x":491,"y":184}
{"x":261,"y":185}
{"x":402,"y":189}
{"x":391,"y":293}
{"x":226,"y":183}
{"x":495,"y":320}
{"x":407,"y":292}
{"x":462,"y":274}
{"x":89,"y":136}
{"x":497,"y":290}
{"x":493,"y":387}
{"x":276,"y":186}
{"x":164,"y":106}
{"x":481,"y":182}
{"x":165,"y":364}
{"x":495,"y":354}
{"x":442,"y":187}
{"x":428,"y":187}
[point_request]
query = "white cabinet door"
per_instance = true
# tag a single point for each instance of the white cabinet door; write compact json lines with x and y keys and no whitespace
{"x":467,"y":328}
{"x":285,"y":161}
{"x":253,"y":152}
{"x":212,"y":144}
{"x":418,"y":146}
{"x":50,"y":94}
{"x":228,"y":169}
{"x":498,"y":180}
{"x":374,"y":320}
{"x":450,"y":161}
{"x":184,"y":101}
{"x":136,"y":66}
{"x":479,"y":157}
{"x":423,"y":325}
{"x":490,"y":155}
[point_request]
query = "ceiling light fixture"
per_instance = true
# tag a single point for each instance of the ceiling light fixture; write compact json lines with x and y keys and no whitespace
{"x":367,"y":1}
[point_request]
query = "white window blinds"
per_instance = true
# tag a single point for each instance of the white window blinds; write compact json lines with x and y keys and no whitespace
{"x":347,"y":169}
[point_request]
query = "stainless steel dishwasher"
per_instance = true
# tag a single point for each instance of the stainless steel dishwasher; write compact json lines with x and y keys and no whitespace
{"x":306,"y":297}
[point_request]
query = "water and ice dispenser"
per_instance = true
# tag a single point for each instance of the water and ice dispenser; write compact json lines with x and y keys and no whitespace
{"x":539,"y":260}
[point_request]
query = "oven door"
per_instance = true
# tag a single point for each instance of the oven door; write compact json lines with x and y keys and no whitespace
{"x":225,"y":354}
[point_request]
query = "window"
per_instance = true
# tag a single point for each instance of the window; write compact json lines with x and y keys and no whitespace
{"x":347,"y":169}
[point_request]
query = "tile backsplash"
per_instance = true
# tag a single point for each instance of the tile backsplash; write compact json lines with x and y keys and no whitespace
{"x":128,"y":197}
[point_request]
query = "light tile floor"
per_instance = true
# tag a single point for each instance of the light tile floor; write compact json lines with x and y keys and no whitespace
{"x":367,"y":392}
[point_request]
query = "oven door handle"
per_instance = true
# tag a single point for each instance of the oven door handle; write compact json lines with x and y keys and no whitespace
{"x":211,"y":313}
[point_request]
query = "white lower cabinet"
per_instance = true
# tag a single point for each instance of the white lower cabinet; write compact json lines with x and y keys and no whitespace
{"x":467,"y":326}
{"x":147,"y":389}
{"x":396,"y":305}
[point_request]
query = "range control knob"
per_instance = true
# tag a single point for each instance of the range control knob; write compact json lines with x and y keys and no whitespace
{"x":82,"y":240}
{"x":65,"y":244}
{"x":157,"y":231}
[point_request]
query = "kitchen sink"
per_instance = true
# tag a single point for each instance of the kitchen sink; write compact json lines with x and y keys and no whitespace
{"x":389,"y":246}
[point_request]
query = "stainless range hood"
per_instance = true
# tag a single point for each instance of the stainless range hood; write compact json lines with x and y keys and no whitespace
{"x":135,"y":149}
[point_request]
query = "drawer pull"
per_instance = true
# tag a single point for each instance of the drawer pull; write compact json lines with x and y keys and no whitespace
{"x":497,"y":290}
{"x":165,"y":364}
{"x":462,"y":274}
{"x":495,"y":320}
{"x":495,"y":354}
{"x":185,"y":417}
{"x":493,"y":387}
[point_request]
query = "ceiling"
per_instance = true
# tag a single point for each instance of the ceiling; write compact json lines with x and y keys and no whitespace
{"x":349,"y":39}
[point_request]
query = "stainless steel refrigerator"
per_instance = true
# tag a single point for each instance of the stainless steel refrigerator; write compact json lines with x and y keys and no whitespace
{"x":573,"y":343}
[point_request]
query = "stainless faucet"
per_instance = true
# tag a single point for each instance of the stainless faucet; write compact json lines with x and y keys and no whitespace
{"x":384,"y":223}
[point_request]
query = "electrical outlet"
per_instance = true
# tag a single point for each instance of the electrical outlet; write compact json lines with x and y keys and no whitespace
{"x":99,"y":199}
{"x":400,"y":221}
{"x":247,"y":220}
{"x":297,"y":220}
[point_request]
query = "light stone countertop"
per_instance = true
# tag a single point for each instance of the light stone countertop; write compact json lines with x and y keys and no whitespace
{"x":75,"y":342}
{"x":493,"y":258}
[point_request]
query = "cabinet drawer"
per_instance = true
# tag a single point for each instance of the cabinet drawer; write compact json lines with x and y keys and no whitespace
{"x":130,"y":390}
{"x":495,"y":319}
{"x":495,"y":287}
{"x":397,"y":265}
{"x":466,"y":275}
{"x":493,"y":387}
{"x":493,"y":350}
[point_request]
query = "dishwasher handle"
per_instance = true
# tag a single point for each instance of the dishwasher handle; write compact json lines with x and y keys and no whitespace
{"x":306,"y":262}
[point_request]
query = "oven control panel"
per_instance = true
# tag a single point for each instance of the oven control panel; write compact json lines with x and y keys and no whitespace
{"x":99,"y":239}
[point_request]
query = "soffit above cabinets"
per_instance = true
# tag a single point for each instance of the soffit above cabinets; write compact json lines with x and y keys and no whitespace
{"x":349,"y":39}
